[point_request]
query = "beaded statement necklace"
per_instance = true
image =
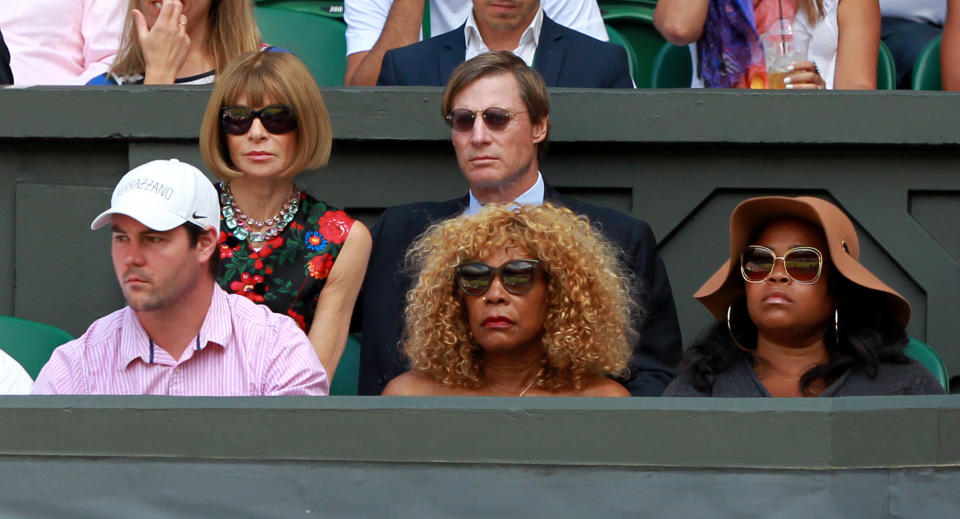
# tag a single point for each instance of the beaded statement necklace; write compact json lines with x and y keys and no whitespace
{"x":242,"y":226}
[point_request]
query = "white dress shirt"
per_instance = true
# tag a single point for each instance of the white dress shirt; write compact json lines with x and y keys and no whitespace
{"x":365,"y":18}
{"x":14,"y":380}
{"x":526,"y":48}
{"x":532,"y":196}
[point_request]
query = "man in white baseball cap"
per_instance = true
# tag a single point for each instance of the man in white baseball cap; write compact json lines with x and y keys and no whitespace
{"x":180,"y":333}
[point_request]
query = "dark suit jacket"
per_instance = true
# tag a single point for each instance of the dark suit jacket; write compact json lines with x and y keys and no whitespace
{"x":564,"y":57}
{"x":654,"y":359}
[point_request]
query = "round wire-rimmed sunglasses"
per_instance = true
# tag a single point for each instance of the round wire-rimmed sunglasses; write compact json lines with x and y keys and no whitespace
{"x":495,"y":117}
{"x":802,"y":264}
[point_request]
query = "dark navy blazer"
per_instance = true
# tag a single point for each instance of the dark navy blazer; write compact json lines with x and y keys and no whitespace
{"x":382,"y":301}
{"x":564,"y":57}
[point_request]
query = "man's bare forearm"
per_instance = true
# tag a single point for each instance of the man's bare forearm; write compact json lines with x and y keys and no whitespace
{"x":401,"y":28}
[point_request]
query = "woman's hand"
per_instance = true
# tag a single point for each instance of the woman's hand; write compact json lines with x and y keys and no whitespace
{"x":804,"y":75}
{"x":165,"y":45}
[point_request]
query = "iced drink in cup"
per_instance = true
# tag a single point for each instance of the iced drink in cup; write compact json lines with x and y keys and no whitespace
{"x":783,"y":46}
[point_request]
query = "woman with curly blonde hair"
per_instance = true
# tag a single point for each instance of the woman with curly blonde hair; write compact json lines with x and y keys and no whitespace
{"x":515,"y":302}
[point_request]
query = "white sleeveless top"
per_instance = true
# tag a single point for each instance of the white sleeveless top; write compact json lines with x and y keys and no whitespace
{"x":825,"y":35}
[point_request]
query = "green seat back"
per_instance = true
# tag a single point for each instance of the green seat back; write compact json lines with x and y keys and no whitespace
{"x":635,"y":22}
{"x":926,"y":70}
{"x":318,"y":41}
{"x":672,"y":68}
{"x":30,"y":343}
{"x":346,"y":380}
{"x":614,"y":3}
{"x":886,"y":69}
{"x":926,"y":355}
{"x":330,"y":8}
{"x":618,"y":38}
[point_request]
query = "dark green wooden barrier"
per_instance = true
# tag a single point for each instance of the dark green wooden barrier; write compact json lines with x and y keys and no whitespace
{"x":866,"y":457}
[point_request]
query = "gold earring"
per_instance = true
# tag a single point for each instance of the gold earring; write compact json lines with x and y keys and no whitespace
{"x":836,"y":326}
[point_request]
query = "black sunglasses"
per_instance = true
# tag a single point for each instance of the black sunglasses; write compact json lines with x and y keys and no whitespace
{"x":517,"y":276}
{"x":276,"y":119}
{"x":496,"y":118}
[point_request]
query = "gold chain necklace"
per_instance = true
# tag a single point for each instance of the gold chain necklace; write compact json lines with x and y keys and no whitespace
{"x":532,"y":382}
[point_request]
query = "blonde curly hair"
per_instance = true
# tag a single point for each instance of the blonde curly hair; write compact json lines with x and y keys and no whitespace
{"x":587,"y":329}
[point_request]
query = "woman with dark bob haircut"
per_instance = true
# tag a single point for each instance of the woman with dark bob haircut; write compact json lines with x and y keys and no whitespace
{"x":516,"y":301}
{"x":797,"y":314}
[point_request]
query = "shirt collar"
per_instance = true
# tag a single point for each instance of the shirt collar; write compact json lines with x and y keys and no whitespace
{"x":217,"y":328}
{"x":532,"y":33}
{"x":532,"y":196}
{"x":134,"y":341}
{"x":530,"y":36}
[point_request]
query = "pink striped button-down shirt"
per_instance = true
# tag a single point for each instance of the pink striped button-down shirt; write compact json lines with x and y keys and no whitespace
{"x":243,"y":349}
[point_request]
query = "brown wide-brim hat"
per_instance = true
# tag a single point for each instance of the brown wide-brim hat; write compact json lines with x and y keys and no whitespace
{"x":726,"y":285}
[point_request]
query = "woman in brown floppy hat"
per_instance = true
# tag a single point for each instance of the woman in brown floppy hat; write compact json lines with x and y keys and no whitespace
{"x":797,"y":314}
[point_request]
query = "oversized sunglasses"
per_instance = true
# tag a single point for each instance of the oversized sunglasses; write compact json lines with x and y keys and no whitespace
{"x":496,"y":118}
{"x":802,"y":264}
{"x":276,"y":119}
{"x":517,"y":276}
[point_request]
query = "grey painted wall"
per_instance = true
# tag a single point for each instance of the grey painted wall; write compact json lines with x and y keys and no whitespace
{"x":679,"y":159}
{"x":100,"y":488}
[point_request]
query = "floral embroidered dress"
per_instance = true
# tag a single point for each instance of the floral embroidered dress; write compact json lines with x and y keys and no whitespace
{"x":289,"y":271}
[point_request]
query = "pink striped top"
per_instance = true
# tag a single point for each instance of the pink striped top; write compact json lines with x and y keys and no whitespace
{"x":243,"y":349}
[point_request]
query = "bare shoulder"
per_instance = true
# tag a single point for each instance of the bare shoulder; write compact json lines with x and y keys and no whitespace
{"x":411,"y":384}
{"x":598,"y":386}
{"x":360,"y":231}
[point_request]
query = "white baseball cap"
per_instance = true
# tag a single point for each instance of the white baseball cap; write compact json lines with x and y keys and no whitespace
{"x":163,"y":194}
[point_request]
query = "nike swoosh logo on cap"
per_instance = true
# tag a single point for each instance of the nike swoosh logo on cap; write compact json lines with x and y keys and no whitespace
{"x":197,"y":216}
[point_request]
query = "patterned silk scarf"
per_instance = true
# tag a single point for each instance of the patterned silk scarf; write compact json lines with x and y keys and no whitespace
{"x":729,"y":50}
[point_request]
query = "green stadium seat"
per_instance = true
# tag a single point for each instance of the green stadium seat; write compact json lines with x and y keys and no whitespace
{"x":614,"y":3}
{"x":29,"y":342}
{"x":886,"y":69}
{"x":672,"y":67}
{"x":329,"y":8}
{"x":317,"y":40}
{"x":926,"y":70}
{"x":346,"y":380}
{"x":618,"y":38}
{"x":927,"y":356}
{"x":634,"y":20}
